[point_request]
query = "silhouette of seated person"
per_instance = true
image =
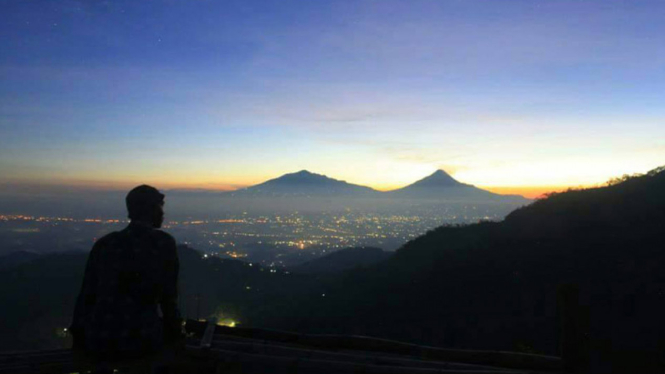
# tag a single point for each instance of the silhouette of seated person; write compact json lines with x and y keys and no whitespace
{"x":127,"y":307}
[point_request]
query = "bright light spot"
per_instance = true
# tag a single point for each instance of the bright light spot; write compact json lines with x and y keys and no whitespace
{"x":227,"y":322}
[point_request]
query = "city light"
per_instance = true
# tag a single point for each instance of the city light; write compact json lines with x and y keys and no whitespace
{"x":275,"y":240}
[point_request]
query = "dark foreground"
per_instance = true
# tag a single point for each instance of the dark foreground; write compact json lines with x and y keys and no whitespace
{"x":216,"y":349}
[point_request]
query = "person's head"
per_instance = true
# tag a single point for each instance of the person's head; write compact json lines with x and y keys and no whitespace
{"x":145,"y":204}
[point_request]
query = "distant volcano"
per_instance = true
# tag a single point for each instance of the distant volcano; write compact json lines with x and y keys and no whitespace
{"x":438,"y":186}
{"x":441,"y":186}
{"x":304,"y":183}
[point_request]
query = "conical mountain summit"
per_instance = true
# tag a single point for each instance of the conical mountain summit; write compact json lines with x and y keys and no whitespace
{"x":437,"y":179}
{"x":441,"y":186}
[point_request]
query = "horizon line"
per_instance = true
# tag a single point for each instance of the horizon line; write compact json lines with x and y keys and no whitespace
{"x":527,"y":191}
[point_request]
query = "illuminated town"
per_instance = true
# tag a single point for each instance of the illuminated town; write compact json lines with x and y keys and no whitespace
{"x":278,"y":240}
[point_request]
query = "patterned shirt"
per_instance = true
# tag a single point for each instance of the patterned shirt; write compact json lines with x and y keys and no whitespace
{"x":128,"y":301}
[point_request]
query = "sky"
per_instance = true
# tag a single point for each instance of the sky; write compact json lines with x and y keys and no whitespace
{"x":514,"y":96}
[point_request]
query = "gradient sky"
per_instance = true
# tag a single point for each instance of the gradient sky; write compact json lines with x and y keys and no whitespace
{"x":514,"y":95}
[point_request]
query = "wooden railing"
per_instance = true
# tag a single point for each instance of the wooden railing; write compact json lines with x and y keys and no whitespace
{"x":214,"y":349}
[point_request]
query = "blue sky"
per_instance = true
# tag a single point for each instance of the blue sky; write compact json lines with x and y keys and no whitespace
{"x":220,"y":94}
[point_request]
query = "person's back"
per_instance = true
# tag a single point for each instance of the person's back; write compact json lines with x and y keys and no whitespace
{"x":128,"y":302}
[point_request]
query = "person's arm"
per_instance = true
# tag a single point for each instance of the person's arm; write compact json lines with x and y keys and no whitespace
{"x":87,"y":297}
{"x":169,"y":300}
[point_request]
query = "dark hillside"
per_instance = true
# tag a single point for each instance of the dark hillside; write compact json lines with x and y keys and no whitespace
{"x":37,"y":298}
{"x":493,"y":285}
{"x":343,"y":259}
{"x":16,"y":258}
{"x":627,"y":204}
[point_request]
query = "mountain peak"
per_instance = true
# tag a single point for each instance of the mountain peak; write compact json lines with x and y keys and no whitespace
{"x":440,"y":173}
{"x":438,"y":178}
{"x":304,"y":183}
{"x":303,"y":175}
{"x":440,"y":185}
{"x":303,"y":172}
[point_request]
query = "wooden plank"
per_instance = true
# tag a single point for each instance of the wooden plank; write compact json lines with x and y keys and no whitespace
{"x":223,"y":339}
{"x":38,"y":359}
{"x":513,"y":360}
{"x":33,"y":352}
{"x":361,"y":353}
{"x":254,"y":363}
{"x":357,"y":357}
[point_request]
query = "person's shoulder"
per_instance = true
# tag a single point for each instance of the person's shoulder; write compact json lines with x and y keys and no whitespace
{"x":163,"y":238}
{"x":107,"y":239}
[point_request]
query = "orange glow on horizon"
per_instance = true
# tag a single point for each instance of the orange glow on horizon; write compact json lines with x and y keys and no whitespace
{"x":526,"y":191}
{"x":531,"y":192}
{"x":209,"y":185}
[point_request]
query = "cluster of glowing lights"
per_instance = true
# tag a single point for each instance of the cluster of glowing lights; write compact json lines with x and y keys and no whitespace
{"x":19,"y":217}
{"x":235,"y":254}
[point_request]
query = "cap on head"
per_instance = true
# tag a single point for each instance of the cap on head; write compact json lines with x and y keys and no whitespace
{"x":142,"y":200}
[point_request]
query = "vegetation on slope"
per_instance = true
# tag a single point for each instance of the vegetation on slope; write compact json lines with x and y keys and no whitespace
{"x":493,"y":285}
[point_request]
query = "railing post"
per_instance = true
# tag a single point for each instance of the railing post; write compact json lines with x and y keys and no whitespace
{"x":208,"y":334}
{"x":572,"y":326}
